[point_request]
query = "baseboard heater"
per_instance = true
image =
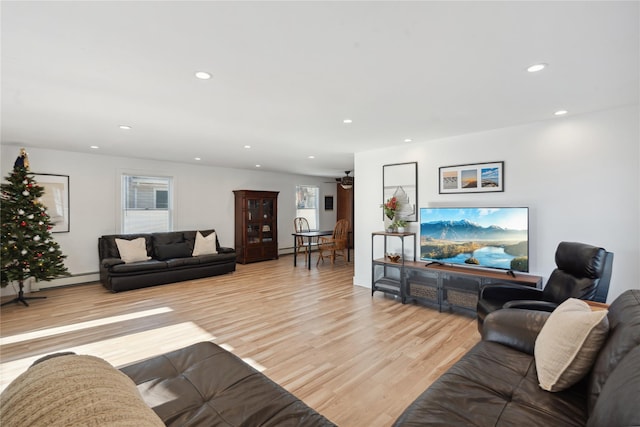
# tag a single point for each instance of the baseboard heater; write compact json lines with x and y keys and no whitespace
{"x":74,"y":279}
{"x":289,"y":250}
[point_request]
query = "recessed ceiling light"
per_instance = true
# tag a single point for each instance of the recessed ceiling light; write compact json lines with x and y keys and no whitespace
{"x":125,"y":127}
{"x":560,"y":112}
{"x":536,"y":67}
{"x":258,"y":166}
{"x":247,"y":146}
{"x":95,"y":147}
{"x":312,"y":157}
{"x":203,"y":75}
{"x":197,"y":158}
{"x":347,"y":121}
{"x":408,"y":140}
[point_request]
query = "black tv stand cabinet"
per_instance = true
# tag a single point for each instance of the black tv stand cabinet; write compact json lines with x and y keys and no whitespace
{"x":444,"y":286}
{"x":453,"y":288}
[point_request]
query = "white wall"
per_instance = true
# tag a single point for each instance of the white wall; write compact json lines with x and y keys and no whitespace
{"x":203,"y":199}
{"x":579,"y":176}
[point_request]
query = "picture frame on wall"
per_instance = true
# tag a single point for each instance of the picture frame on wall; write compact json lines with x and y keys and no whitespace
{"x":328,"y":203}
{"x":472,"y":178}
{"x":400,"y":180}
{"x":56,"y":199}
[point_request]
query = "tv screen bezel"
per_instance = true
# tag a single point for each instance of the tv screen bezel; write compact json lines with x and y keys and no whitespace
{"x":474,"y":266}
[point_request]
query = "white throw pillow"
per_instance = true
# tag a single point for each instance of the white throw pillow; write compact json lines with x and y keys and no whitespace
{"x":132,"y":250}
{"x":205,"y":245}
{"x":568,"y":344}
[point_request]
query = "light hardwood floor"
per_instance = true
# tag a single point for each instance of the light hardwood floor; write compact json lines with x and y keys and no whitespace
{"x":357,"y":360}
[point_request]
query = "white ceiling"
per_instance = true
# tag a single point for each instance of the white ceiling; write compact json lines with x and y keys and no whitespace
{"x":286,"y":74}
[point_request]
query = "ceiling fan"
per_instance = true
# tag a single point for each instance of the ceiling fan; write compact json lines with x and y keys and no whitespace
{"x":346,"y":181}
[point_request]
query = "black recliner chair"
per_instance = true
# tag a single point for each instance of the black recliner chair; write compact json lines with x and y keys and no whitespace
{"x":583,"y":271}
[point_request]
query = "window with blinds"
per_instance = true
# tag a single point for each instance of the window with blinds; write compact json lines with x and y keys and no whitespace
{"x":146,"y":204}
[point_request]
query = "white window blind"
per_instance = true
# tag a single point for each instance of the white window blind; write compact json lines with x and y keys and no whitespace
{"x":146,"y":204}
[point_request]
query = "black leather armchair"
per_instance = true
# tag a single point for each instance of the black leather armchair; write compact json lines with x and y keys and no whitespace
{"x":583,"y":271}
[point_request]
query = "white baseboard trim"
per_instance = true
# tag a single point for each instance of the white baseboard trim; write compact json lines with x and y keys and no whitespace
{"x":357,"y":283}
{"x":33,"y":286}
{"x":285,"y":251}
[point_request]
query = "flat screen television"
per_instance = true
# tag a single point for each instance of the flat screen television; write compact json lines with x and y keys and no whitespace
{"x":481,"y":237}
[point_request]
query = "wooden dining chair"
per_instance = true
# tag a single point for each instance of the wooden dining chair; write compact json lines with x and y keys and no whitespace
{"x":337,"y":244}
{"x":300,"y":224}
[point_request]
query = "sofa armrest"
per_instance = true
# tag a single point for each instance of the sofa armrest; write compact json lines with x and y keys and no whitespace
{"x":531,"y":305}
{"x":514,"y":328}
{"x":224,"y":250}
{"x":110,"y":262}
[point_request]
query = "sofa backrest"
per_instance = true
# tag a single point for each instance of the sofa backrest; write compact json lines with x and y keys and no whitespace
{"x":107,"y":247}
{"x":623,"y":341}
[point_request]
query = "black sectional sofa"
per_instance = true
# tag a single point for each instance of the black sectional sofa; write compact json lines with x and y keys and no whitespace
{"x":201,"y":385}
{"x":213,"y":387}
{"x":496,"y":382}
{"x":170,"y":260}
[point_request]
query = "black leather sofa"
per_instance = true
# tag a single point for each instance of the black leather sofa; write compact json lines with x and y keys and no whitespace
{"x":201,"y":385}
{"x":166,"y":265}
{"x":496,"y":384}
{"x":210,"y":386}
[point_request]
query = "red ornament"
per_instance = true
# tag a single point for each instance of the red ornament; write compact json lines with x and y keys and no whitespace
{"x":49,"y":227}
{"x":23,"y":224}
{"x":30,"y":185}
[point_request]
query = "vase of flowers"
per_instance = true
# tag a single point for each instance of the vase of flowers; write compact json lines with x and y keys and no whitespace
{"x":390,"y":207}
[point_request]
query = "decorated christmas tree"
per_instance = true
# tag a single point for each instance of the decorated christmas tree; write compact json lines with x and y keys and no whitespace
{"x":28,"y":250}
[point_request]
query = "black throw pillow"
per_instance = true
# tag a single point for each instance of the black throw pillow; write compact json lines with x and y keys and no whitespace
{"x":174,"y":250}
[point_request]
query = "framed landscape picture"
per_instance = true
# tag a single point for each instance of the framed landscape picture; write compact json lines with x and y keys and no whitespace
{"x":472,"y":178}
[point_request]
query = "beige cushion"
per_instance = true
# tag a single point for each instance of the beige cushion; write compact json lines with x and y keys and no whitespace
{"x":133,"y":250}
{"x":74,"y":390}
{"x":569,"y":343}
{"x":205,"y":245}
